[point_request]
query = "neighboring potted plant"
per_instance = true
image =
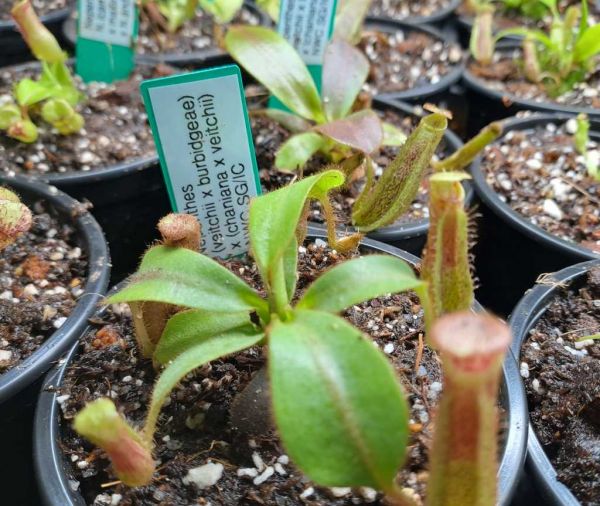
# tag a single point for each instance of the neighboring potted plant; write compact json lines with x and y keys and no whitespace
{"x":341,"y":127}
{"x":184,"y":32}
{"x":541,"y":194}
{"x":342,"y":430}
{"x":90,"y":140}
{"x":14,"y":50}
{"x":554,"y":70}
{"x":557,"y":330}
{"x":517,"y":13}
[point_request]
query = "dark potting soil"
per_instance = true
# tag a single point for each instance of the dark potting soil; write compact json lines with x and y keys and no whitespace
{"x":42,"y":7}
{"x":402,"y":9}
{"x":406,"y":60}
{"x":270,"y":135}
{"x":504,"y":74}
{"x":542,"y":177}
{"x":42,"y":275}
{"x":200,"y":34}
{"x":194,"y":427}
{"x":115,"y":131}
{"x":562,"y":378}
{"x":512,"y":18}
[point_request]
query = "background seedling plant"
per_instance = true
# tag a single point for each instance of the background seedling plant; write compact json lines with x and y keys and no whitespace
{"x":171,"y":15}
{"x":53,"y":96}
{"x":557,"y":60}
{"x":323,"y":408}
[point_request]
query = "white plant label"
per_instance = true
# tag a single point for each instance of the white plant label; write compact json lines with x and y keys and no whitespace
{"x":108,"y":21}
{"x":202,"y":132}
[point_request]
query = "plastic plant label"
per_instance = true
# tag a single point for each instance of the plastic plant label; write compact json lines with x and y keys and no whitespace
{"x":106,"y":35}
{"x":202,"y":133}
{"x":308,"y":26}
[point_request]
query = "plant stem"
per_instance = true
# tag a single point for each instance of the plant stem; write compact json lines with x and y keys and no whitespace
{"x":465,"y":155}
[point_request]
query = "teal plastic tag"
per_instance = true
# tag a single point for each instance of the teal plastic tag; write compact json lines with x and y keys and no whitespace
{"x":202,"y":133}
{"x":308,"y":26}
{"x":106,"y":35}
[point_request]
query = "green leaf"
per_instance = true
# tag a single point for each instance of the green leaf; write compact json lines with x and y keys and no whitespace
{"x":392,"y":135}
{"x":271,"y":7}
{"x":358,"y":280}
{"x":349,"y":20}
{"x":187,"y":328}
{"x":209,"y":349}
{"x":290,"y":268}
{"x":275,"y":216}
{"x":177,"y":12}
{"x":339,"y":408}
{"x":593,"y":337}
{"x":223,"y":10}
{"x":588,"y":45}
{"x":297,"y":150}
{"x":361,"y":131}
{"x":345,"y":70}
{"x":29,"y":92}
{"x":276,"y":65}
{"x":185,"y":278}
{"x":291,"y":122}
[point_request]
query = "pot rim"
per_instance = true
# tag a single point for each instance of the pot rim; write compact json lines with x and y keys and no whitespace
{"x":58,"y":15}
{"x":53,"y":471}
{"x":490,"y":198}
{"x":387,"y":25}
{"x":204,"y":57}
{"x":440,"y":15}
{"x":98,"y":270}
{"x":479,"y":86}
{"x":417,"y":228}
{"x":526,"y":314}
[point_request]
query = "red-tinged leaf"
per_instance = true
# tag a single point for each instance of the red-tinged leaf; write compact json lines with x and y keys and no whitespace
{"x":362,"y":131}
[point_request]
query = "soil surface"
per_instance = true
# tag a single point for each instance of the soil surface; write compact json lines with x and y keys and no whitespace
{"x":42,"y":7}
{"x":512,"y":18}
{"x":402,"y":9}
{"x":270,"y":135}
{"x":200,"y":34}
{"x":407,"y":60}
{"x":541,"y":176}
{"x":562,"y":378}
{"x":115,"y":131}
{"x":504,"y":75}
{"x":194,"y":426}
{"x":42,"y":275}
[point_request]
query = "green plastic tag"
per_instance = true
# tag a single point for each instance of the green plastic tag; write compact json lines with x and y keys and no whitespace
{"x":106,"y":35}
{"x":202,"y":133}
{"x":308,"y":26}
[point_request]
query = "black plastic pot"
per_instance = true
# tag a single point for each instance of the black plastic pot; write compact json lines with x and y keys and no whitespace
{"x":128,"y":199}
{"x":409,"y":236}
{"x":14,"y":49}
{"x":19,"y":387}
{"x":434,"y":19}
{"x":525,"y":316}
{"x":511,"y":252}
{"x":53,"y":469}
{"x":490,"y":105}
{"x":202,"y":58}
{"x":430,"y":91}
